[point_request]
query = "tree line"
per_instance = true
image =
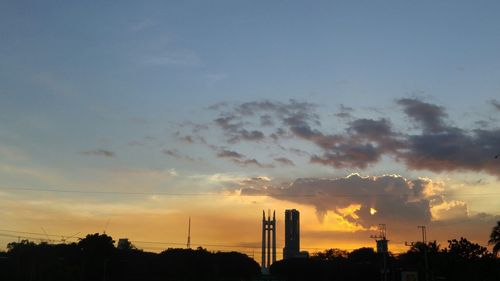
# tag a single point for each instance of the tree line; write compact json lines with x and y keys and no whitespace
{"x":461,"y":260}
{"x":95,"y":258}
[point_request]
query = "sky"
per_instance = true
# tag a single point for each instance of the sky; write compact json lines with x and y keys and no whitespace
{"x":130,"y":117}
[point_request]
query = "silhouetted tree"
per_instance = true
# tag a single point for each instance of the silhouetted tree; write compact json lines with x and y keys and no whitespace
{"x":330,"y":254}
{"x":467,"y":250}
{"x":495,"y":239}
{"x":96,"y":253}
{"x":420,"y":247}
{"x":363,"y":255}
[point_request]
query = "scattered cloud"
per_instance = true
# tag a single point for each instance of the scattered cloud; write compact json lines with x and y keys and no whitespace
{"x":344,"y":112}
{"x":239,"y":158}
{"x":436,"y":146}
{"x":429,"y":116}
{"x":100,"y":152}
{"x":284,"y":161}
{"x":176,"y":154}
{"x":230,"y":154}
{"x":495,"y":104}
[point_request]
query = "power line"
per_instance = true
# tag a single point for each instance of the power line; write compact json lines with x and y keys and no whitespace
{"x":233,"y":246}
{"x":223,"y":194}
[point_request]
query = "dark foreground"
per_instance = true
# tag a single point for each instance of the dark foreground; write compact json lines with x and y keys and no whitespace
{"x":95,"y":258}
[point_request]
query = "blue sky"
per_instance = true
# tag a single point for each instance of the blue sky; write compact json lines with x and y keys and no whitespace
{"x":98,"y":96}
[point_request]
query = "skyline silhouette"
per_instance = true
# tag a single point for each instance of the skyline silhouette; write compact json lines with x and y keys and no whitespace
{"x":173,"y":124}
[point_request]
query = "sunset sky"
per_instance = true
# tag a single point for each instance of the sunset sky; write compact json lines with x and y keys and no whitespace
{"x":130,"y":117}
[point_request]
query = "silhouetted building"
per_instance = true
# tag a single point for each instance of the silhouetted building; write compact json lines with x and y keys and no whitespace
{"x":382,"y":247}
{"x":292,"y":234}
{"x":123,"y":244}
{"x":268,"y":240}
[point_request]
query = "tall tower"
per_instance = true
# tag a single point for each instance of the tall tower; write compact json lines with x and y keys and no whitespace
{"x":292,"y":234}
{"x":268,"y":240}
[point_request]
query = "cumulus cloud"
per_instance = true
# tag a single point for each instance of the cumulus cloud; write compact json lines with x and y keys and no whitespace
{"x":368,"y":201}
{"x":100,"y":152}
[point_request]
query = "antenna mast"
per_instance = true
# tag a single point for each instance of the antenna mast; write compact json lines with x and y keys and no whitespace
{"x":189,"y":234}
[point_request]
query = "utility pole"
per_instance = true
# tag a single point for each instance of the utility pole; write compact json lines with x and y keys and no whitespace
{"x":424,"y":245}
{"x":382,"y":248}
{"x":426,"y":260}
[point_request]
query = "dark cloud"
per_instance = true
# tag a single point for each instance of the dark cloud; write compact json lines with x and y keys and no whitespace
{"x":280,"y":109}
{"x":230,"y":154}
{"x":397,"y":200}
{"x":349,"y":156}
{"x":217,"y":106}
{"x":364,"y":144}
{"x":495,"y":104}
{"x":360,"y":142}
{"x":246,"y":162}
{"x":298,"y":152}
{"x":246,"y":135}
{"x":235,"y":131}
{"x":187,"y":139}
{"x":176,"y":154}
{"x":239,"y":158}
{"x":100,"y":152}
{"x":266,"y":120}
{"x":345,"y":112}
{"x":284,"y":161}
{"x":429,"y":116}
{"x":371,"y":129}
{"x":453,"y":150}
{"x":237,"y":122}
{"x":304,"y":131}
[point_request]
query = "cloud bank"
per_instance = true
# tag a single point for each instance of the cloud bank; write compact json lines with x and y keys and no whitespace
{"x":366,"y":202}
{"x":433,"y":143}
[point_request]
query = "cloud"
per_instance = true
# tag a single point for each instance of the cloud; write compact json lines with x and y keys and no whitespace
{"x":429,"y":116}
{"x":234,"y":130}
{"x":345,"y":112}
{"x":239,"y":158}
{"x":176,"y":154}
{"x":495,"y":104}
{"x":230,"y":154}
{"x":450,"y":210}
{"x":100,"y":152}
{"x":235,"y":121}
{"x":396,"y":200}
{"x":284,"y":161}
{"x":349,"y":156}
{"x":266,"y":120}
{"x":361,"y":142}
{"x":452,"y":150}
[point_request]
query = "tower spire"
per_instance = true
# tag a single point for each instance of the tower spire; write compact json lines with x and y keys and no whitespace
{"x":189,"y":234}
{"x":268,"y":240}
